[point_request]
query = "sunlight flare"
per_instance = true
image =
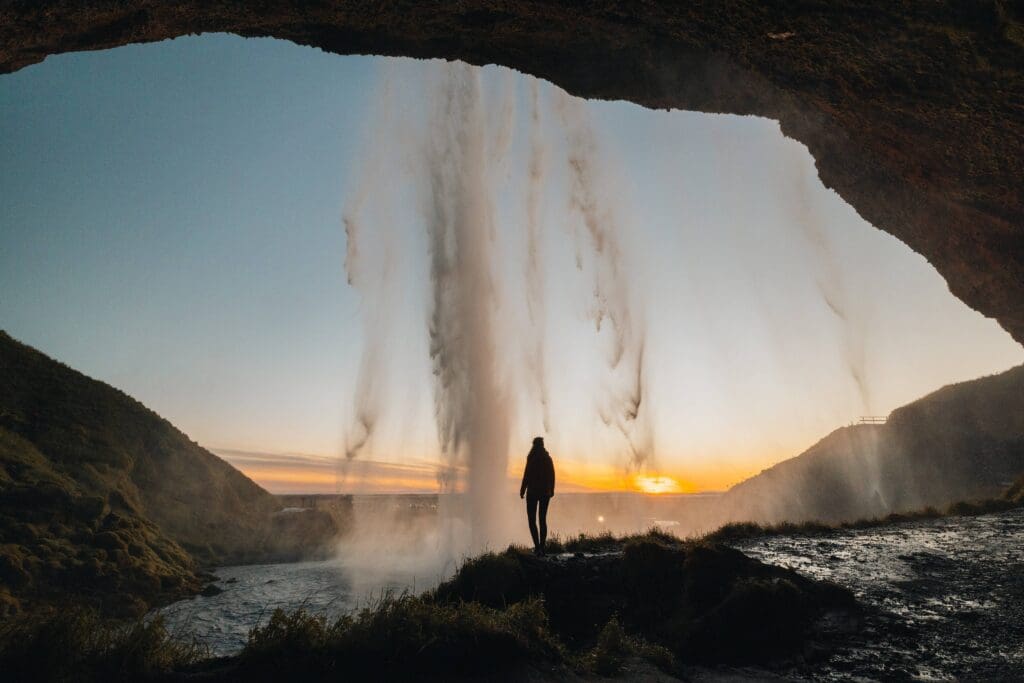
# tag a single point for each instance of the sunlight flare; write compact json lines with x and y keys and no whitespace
{"x":657,"y":484}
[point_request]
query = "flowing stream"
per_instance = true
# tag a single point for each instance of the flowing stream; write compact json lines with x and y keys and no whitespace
{"x":944,"y":598}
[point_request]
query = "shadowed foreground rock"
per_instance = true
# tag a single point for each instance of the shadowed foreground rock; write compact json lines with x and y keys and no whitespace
{"x":707,"y":604}
{"x":911,"y":109}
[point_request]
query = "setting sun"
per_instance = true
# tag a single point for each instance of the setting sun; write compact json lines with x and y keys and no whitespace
{"x":657,"y":484}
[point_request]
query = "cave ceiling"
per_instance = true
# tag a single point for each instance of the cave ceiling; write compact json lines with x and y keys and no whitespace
{"x":913,"y":111}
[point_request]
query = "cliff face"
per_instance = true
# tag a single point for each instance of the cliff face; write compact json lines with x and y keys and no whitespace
{"x":99,"y":495}
{"x":912,"y":110}
{"x":962,"y":442}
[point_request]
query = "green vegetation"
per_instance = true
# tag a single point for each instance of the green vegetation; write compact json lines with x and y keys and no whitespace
{"x":79,"y":645}
{"x":62,"y":542}
{"x":615,"y":647}
{"x":402,"y":636}
{"x":737,"y":531}
{"x":982,"y":507}
{"x":418,"y":636}
{"x":99,"y":497}
{"x":604,"y":542}
{"x":1015,"y":494}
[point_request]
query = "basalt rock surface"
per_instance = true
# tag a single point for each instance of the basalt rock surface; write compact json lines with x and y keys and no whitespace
{"x":914,"y":111}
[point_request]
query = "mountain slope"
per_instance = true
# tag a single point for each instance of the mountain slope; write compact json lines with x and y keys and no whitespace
{"x":59,"y":537}
{"x":100,"y":494}
{"x":962,"y":442}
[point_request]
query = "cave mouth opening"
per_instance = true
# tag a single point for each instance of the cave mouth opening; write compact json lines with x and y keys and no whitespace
{"x":179,"y":206}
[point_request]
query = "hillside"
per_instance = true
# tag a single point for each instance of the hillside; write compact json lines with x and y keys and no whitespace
{"x":962,"y":442}
{"x":101,"y":496}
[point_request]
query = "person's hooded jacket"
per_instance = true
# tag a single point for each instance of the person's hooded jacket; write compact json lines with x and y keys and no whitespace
{"x":539,"y":475}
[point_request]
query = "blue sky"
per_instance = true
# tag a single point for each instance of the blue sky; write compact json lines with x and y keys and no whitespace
{"x":171,"y":225}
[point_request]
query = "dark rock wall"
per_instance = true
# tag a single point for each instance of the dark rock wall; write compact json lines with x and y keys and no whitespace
{"x":914,"y":111}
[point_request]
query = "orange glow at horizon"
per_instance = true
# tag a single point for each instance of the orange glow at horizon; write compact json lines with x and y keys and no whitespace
{"x":317,"y":474}
{"x":657,"y":484}
{"x":702,"y":477}
{"x":295,"y":480}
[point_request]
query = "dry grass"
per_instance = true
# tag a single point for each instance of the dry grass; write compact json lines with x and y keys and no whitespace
{"x":402,"y":636}
{"x":738,"y":531}
{"x":79,"y":645}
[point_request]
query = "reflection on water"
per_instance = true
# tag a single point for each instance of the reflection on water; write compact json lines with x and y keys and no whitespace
{"x":253,"y":592}
{"x":944,"y":597}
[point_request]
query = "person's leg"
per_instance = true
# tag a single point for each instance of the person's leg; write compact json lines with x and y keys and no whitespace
{"x":531,"y":516}
{"x":543,"y":522}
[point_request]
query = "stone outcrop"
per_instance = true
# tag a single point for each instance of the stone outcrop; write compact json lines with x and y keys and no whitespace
{"x":914,"y":111}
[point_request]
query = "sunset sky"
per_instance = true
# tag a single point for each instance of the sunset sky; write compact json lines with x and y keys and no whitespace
{"x":171,"y":225}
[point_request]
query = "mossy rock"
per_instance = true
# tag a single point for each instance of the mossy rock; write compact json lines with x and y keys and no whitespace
{"x":23,"y":533}
{"x":757,"y":619}
{"x":654,"y":573}
{"x":9,"y":605}
{"x":491,"y":579}
{"x":12,"y":569}
{"x":89,"y":509}
{"x":709,"y":604}
{"x":110,"y":541}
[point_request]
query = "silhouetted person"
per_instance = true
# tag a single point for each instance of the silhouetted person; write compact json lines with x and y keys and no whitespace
{"x":538,"y":487}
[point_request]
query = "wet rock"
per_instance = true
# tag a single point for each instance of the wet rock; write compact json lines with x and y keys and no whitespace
{"x":936,"y":598}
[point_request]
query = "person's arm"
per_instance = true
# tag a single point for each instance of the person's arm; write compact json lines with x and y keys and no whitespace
{"x":526,"y":471}
{"x":551,"y":464}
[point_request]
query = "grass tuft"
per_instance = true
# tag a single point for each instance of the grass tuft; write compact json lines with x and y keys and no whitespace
{"x":614,"y":647}
{"x":405,"y":635}
{"x":606,"y":542}
{"x":739,"y":531}
{"x":982,"y":507}
{"x":78,"y":644}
